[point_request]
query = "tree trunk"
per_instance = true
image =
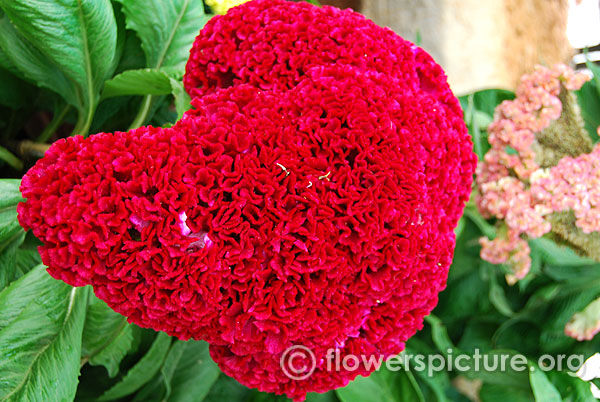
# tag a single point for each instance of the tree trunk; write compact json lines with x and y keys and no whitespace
{"x":480,"y":43}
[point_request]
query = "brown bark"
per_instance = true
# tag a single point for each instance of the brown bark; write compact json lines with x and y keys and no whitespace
{"x":480,"y":43}
{"x":537,"y":35}
{"x":353,"y":4}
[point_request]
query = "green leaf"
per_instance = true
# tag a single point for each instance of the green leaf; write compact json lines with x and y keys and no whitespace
{"x":326,"y":397}
{"x":74,"y":39}
{"x":589,"y":100}
{"x":439,"y":334}
{"x":488,"y":230}
{"x":227,"y":389}
{"x":121,"y":37}
{"x":40,"y":338}
{"x":138,"y":82}
{"x":482,"y":119}
{"x":9,"y":193}
{"x":498,"y":296}
{"x":143,"y":371}
{"x":5,"y":62}
{"x":513,"y":338}
{"x":182,"y":99}
{"x":167,"y":30}
{"x":550,"y":308}
{"x":114,"y":113}
{"x":571,"y":387}
{"x":487,"y":100}
{"x":554,"y":254}
{"x":8,"y":268}
{"x":17,"y":258}
{"x":162,"y":112}
{"x":503,"y":393}
{"x":479,"y":109}
{"x":467,"y":295}
{"x":32,"y":64}
{"x":107,"y":337}
{"x":460,"y":227}
{"x":14,"y":93}
{"x":374,"y":387}
{"x":408,"y":387}
{"x":418,"y":38}
{"x":436,"y":385}
{"x":475,"y":128}
{"x":257,"y":396}
{"x":568,"y":273}
{"x":543,"y":389}
{"x":595,"y":71}
{"x":477,"y":334}
{"x":10,"y":196}
{"x":490,"y":369}
{"x":166,"y":372}
{"x":133,"y":57}
{"x":382,"y":385}
{"x":26,"y":257}
{"x":437,"y":381}
{"x":188,"y":374}
{"x":192,"y":372}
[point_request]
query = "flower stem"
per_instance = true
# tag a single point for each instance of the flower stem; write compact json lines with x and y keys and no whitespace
{"x":32,"y":149}
{"x":84,"y":122}
{"x":51,"y":128}
{"x":10,"y":159}
{"x":142,"y":115}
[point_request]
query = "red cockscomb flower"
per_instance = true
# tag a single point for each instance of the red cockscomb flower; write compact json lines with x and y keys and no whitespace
{"x":307,"y":200}
{"x":271,"y":44}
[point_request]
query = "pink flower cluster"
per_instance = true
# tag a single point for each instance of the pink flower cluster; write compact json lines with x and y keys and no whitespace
{"x":573,"y":184}
{"x":512,"y":250}
{"x":512,"y":186}
{"x":584,"y":325}
{"x":516,"y":122}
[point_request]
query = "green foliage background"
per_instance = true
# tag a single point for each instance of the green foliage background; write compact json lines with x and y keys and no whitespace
{"x":85,"y":66}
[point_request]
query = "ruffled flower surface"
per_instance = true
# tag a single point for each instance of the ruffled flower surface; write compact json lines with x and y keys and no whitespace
{"x":271,"y":44}
{"x":309,"y":198}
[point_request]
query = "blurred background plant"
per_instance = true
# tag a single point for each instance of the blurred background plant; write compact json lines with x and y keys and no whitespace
{"x":82,"y":67}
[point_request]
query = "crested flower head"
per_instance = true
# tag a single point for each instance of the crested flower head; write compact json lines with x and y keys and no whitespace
{"x":309,"y":198}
